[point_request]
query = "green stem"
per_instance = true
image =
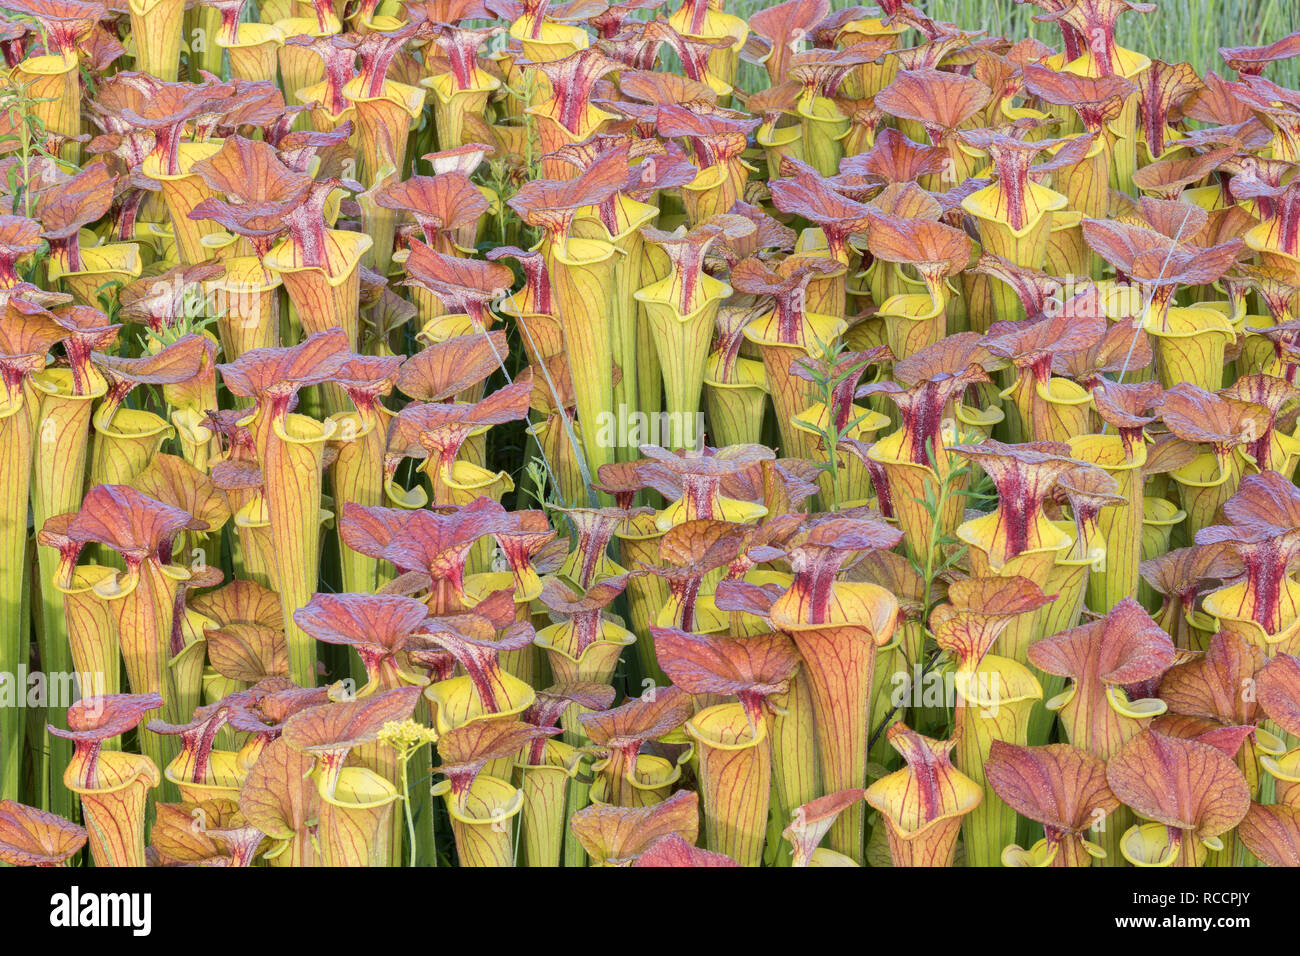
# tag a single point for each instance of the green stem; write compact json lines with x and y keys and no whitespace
{"x":406,"y":808}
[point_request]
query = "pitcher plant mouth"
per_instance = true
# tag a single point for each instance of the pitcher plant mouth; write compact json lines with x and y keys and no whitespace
{"x":837,"y":626}
{"x":923,"y":804}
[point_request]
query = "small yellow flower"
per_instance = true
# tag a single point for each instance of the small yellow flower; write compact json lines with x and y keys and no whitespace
{"x":405,"y":736}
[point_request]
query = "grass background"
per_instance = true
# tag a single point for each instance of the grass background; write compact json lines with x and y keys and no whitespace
{"x":1190,"y":30}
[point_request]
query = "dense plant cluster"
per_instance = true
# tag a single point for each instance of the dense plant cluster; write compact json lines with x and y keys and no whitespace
{"x":481,"y":431}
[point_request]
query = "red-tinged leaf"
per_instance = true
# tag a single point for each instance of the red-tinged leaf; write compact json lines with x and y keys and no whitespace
{"x":212,"y":832}
{"x":1265,"y":502}
{"x":714,"y":134}
{"x":377,"y":626}
{"x":250,"y":171}
{"x":284,"y":370}
{"x":1162,"y":89}
{"x":240,"y":602}
{"x":806,"y":195}
{"x":1155,"y":259}
{"x":1035,"y":289}
{"x":1123,"y":648}
{"x":940,"y":101}
{"x":579,"y":606}
{"x":786,"y":282}
{"x":172,"y":365}
{"x":330,"y":731}
{"x":1253,"y":59}
{"x":278,"y":796}
{"x":1060,"y":786}
{"x":1272,"y":833}
{"x":817,"y":556}
{"x":1125,"y":407}
{"x":64,"y":208}
{"x":1266,"y":554}
{"x":19,"y":237}
{"x":462,"y":285}
{"x":702,"y":544}
{"x":132,"y":524}
{"x":369,"y":530}
{"x":769,"y":234}
{"x":93,"y":720}
{"x":1180,"y":783}
{"x":33,"y":837}
{"x":814,"y":819}
{"x":440,"y":543}
{"x":980,"y":610}
{"x":1095,"y":99}
{"x":627,"y":728}
{"x":660,"y":89}
{"x":1278,"y":691}
{"x":1034,"y":345}
{"x":1183,"y":572}
{"x":1169,"y":177}
{"x":197,"y":740}
{"x":935,"y":249}
{"x":785,"y":24}
{"x":439,"y":430}
{"x":673,"y":850}
{"x":63,"y":20}
{"x":821,"y":71}
{"x":953,"y":357}
{"x":552,"y":702}
{"x":247,"y":652}
{"x":27,"y":333}
{"x":751,"y":668}
{"x":107,"y":716}
{"x":616,"y":836}
{"x":909,"y":201}
{"x":621,"y":480}
{"x":174,"y":481}
{"x":264,"y":707}
{"x":1273,"y":394}
{"x":1088,"y":489}
{"x":922,"y":386}
{"x":896,"y":159}
{"x":1212,"y":686}
{"x":1228,"y":739}
{"x":367,"y":377}
{"x":158,"y":301}
{"x":1122,"y":346}
{"x":446,"y":368}
{"x":746,"y":598}
{"x":466,"y":750}
{"x":552,"y":205}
